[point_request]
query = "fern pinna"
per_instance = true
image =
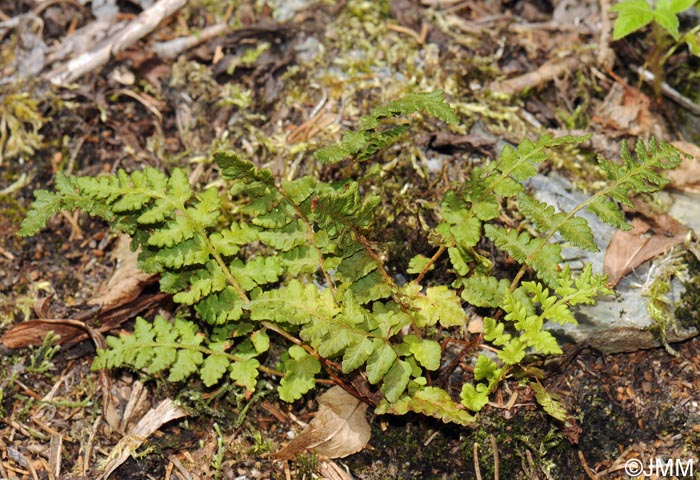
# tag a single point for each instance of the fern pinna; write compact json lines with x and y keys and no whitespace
{"x":295,"y":258}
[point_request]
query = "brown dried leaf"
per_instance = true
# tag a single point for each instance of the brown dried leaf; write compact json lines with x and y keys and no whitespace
{"x":627,"y":250}
{"x":339,"y":428}
{"x":127,"y":282}
{"x":687,"y":175}
{"x":626,"y":110}
{"x":73,"y":330}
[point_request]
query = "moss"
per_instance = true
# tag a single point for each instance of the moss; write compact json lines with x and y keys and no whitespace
{"x":20,"y":122}
{"x":414,"y":447}
{"x":688,"y":312}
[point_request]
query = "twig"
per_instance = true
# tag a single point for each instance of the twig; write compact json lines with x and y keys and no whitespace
{"x":432,"y":261}
{"x":100,"y":55}
{"x":418,"y":37}
{"x":477,"y":470}
{"x":605,"y":57}
{"x":180,"y":467}
{"x":669,"y":91}
{"x":90,"y":443}
{"x":591,"y":474}
{"x":496,"y":461}
{"x":548,"y":71}
{"x":172,"y":48}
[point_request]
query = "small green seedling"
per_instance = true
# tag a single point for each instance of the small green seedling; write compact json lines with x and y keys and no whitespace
{"x":663,"y":17}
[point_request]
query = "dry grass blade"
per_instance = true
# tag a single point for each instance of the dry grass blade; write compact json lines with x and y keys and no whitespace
{"x":152,"y":421}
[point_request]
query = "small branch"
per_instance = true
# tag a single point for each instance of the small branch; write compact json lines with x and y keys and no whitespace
{"x":477,"y":469}
{"x":669,"y":91}
{"x":172,"y":48}
{"x":548,"y":71}
{"x":144,"y":24}
{"x":380,"y":265}
{"x":591,"y":474}
{"x":605,"y":57}
{"x":432,"y":261}
{"x":494,"y":447}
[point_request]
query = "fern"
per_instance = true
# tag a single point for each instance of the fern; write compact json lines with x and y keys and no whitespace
{"x":292,"y":262}
{"x":368,"y":140}
{"x":178,"y":347}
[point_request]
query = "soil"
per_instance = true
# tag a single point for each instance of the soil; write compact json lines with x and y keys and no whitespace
{"x":255,"y":89}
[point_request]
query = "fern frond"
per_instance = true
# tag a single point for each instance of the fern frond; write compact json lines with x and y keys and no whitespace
{"x":396,"y":380}
{"x":431,"y":401}
{"x":220,"y":308}
{"x":632,"y":177}
{"x":431,"y":102}
{"x":484,"y":291}
{"x":543,"y":257}
{"x":175,"y":347}
{"x":439,"y":304}
{"x":461,"y":227}
{"x":294,"y":303}
{"x":233,"y":167}
{"x":474,"y":396}
{"x":368,"y":141}
{"x":300,"y":370}
{"x":258,"y":271}
{"x":573,"y":229}
{"x":549,"y":402}
{"x":297,"y":258}
{"x":203,"y":282}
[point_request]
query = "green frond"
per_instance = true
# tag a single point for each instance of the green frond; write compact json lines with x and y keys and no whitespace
{"x":258,"y":271}
{"x":543,"y":257}
{"x":165,"y":346}
{"x":431,"y":102}
{"x":549,"y":402}
{"x":439,"y":304}
{"x":634,"y":176}
{"x":371,"y":287}
{"x":387,"y":319}
{"x":574,"y":230}
{"x":245,"y":373}
{"x":355,"y":266}
{"x":474,"y":397}
{"x":458,"y":260}
{"x":427,"y":352}
{"x":220,"y":308}
{"x":462,"y":227}
{"x":368,"y":141}
{"x":494,"y":332}
{"x":234,"y":168}
{"x":608,"y":212}
{"x":203,"y":283}
{"x":396,"y":380}
{"x":300,"y":370}
{"x":295,"y":303}
{"x":193,"y":251}
{"x":431,"y":401}
{"x":486,"y":369}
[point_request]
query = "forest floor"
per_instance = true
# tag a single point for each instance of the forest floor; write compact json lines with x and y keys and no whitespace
{"x":273,"y":83}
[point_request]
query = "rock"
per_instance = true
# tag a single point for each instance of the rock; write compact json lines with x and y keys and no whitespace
{"x":619,"y":323}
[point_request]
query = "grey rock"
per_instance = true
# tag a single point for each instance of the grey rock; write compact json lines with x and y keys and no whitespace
{"x":619,"y":323}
